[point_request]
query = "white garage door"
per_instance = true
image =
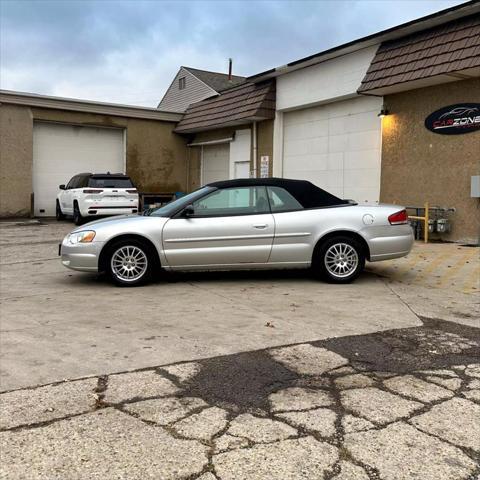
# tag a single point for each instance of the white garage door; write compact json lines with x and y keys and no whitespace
{"x":61,"y":151}
{"x":337,"y":147}
{"x":215,"y":162}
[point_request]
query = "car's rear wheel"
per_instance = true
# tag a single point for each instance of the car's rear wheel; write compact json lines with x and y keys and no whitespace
{"x":77,"y":216}
{"x":130,"y":263}
{"x":58,"y":212}
{"x":339,"y":259}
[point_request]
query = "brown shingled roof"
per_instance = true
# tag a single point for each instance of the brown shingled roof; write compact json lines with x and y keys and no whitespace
{"x":242,"y":104}
{"x":448,"y":48}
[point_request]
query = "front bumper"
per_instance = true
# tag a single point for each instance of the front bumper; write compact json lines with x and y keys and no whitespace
{"x":80,"y":256}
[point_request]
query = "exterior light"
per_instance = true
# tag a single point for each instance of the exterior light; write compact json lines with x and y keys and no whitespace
{"x":383,"y":112}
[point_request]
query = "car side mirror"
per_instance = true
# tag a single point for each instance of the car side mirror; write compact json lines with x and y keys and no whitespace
{"x":62,"y":187}
{"x":188,"y":211}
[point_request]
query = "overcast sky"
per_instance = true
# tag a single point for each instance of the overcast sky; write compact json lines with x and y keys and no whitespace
{"x":129,"y":51}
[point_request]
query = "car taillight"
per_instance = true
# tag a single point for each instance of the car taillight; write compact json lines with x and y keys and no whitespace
{"x":92,"y":191}
{"x":132,"y":191}
{"x":398,"y":218}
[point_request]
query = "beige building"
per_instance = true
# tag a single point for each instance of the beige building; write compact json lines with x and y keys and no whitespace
{"x":372,"y":120}
{"x":430,"y":84}
{"x":44,"y":141}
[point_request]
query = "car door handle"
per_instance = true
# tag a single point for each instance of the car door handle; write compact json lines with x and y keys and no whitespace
{"x":260,"y":225}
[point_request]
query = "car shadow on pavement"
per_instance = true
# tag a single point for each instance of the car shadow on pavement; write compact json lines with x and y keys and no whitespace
{"x":164,"y":277}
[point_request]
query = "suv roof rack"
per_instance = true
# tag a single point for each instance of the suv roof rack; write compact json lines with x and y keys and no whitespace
{"x":108,"y":174}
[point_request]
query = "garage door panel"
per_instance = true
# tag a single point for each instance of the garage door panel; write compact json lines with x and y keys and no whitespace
{"x":361,"y":178}
{"x":337,"y":143}
{"x":360,"y":159}
{"x":361,"y":122}
{"x":335,"y":161}
{"x":359,"y":194}
{"x":331,"y":143}
{"x":337,"y":126}
{"x":363,"y":141}
{"x":62,"y":151}
{"x":215,"y":163}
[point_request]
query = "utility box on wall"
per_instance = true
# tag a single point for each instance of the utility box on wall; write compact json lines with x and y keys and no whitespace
{"x":475,"y":186}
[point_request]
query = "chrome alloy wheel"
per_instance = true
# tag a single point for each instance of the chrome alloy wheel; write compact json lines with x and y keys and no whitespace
{"x":341,"y":260}
{"x":129,"y":263}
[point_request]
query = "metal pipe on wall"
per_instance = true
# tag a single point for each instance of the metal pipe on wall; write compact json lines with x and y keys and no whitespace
{"x":255,"y":155}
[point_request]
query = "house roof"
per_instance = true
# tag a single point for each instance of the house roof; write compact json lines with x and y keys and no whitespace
{"x":74,"y":104}
{"x":438,"y":18}
{"x":441,"y":50}
{"x":238,"y":105}
{"x":217,"y":81}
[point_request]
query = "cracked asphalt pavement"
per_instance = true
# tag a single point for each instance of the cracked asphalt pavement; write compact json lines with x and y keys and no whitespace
{"x":270,"y":377}
{"x":392,"y":405}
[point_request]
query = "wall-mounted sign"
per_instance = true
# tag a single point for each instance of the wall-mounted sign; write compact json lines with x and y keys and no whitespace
{"x":455,"y":119}
{"x":264,"y":166}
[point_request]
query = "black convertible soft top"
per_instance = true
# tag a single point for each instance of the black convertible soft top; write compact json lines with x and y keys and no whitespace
{"x":308,"y":194}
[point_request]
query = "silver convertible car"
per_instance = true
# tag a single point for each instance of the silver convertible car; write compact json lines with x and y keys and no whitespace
{"x":243,"y":224}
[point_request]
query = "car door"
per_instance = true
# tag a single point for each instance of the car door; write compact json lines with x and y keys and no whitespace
{"x":295,"y":228}
{"x":66,"y":196}
{"x":228,"y":227}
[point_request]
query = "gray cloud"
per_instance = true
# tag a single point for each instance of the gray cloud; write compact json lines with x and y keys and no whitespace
{"x":128,"y":51}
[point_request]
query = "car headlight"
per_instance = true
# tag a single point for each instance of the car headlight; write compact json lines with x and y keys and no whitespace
{"x":86,"y":236}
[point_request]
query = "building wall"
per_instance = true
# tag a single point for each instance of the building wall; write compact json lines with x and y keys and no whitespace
{"x":176,"y":100}
{"x":194,"y":153}
{"x":156,"y":158}
{"x":419,"y":165}
{"x":265,"y":142}
{"x":333,"y":79}
{"x":264,"y":147}
{"x":16,"y":152}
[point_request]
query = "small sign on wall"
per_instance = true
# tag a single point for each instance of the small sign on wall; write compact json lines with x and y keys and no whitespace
{"x":264,"y":166}
{"x":455,"y":119}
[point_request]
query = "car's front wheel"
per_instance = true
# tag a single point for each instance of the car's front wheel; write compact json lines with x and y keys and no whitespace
{"x":58,"y":212}
{"x":339,"y":259}
{"x":130,"y":263}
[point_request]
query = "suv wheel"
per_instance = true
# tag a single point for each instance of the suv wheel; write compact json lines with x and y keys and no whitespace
{"x":58,"y":212}
{"x":130,"y":263}
{"x":77,"y":216}
{"x":339,"y":260}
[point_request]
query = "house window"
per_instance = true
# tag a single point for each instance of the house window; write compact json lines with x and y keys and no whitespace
{"x":182,"y":83}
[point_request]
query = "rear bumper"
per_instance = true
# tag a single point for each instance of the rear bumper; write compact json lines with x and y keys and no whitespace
{"x":92,"y":211}
{"x":386,"y":247}
{"x":90,"y":207}
{"x":82,"y":257}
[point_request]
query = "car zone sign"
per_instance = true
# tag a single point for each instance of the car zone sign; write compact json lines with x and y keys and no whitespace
{"x":455,"y":119}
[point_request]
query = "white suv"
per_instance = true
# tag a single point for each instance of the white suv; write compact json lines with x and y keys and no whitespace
{"x":88,"y":195}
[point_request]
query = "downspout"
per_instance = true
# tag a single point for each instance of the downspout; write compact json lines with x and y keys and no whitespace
{"x":255,"y":153}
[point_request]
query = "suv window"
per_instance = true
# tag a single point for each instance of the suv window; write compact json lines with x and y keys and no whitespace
{"x":71,"y":183}
{"x":282,"y":201}
{"x":232,"y":201}
{"x":82,"y":181}
{"x":110,"y":182}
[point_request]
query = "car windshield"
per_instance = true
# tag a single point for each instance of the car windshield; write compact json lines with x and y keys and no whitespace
{"x":176,"y":205}
{"x":110,"y":182}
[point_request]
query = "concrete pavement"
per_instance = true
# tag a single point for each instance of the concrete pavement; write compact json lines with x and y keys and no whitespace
{"x":391,"y":405}
{"x":59,"y":324}
{"x":234,"y":376}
